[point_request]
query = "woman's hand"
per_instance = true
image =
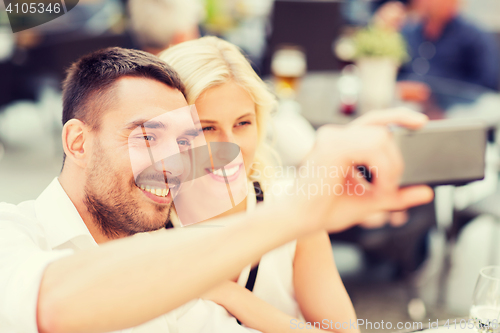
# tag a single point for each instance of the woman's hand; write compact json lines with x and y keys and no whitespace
{"x":250,"y":310}
{"x":319,"y":290}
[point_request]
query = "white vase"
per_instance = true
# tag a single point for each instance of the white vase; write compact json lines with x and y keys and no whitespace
{"x":378,"y":81}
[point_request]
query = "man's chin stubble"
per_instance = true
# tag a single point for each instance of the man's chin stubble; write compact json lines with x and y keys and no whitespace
{"x":121,"y":220}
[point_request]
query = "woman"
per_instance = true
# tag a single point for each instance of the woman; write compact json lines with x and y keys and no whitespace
{"x":298,"y":280}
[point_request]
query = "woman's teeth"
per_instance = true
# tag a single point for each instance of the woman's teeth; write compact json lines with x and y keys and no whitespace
{"x":229,"y":171}
{"x":160,"y":192}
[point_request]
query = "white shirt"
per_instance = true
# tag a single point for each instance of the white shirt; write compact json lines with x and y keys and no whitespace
{"x":38,"y":232}
{"x":32,"y":235}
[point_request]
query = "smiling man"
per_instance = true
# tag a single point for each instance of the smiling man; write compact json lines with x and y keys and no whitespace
{"x":96,"y":173}
{"x":66,"y":263}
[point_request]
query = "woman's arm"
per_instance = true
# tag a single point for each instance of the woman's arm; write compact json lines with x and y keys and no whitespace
{"x":255,"y":313}
{"x":318,"y":287}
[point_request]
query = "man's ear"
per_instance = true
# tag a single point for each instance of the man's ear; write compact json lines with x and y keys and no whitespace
{"x":75,"y":139}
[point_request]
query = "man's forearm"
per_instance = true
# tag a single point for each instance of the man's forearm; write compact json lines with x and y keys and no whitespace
{"x":127,"y":282}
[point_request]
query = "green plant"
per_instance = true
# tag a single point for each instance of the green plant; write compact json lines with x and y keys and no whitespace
{"x":378,"y":42}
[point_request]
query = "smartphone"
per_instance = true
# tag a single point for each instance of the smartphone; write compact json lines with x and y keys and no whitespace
{"x":444,"y":152}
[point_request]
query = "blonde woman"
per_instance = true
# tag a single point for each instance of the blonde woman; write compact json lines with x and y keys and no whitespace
{"x":298,"y":280}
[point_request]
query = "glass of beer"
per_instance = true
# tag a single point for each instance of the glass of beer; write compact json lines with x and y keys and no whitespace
{"x":288,"y":65}
{"x":485,"y":310}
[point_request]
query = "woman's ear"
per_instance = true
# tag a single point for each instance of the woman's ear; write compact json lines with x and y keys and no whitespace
{"x":74,"y":137}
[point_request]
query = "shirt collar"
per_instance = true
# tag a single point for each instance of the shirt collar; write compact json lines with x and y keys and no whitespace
{"x":60,"y":219}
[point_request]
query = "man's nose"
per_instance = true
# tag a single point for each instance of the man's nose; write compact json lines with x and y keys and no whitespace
{"x":172,"y":164}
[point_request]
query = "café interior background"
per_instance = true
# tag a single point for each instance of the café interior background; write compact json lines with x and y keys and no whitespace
{"x":423,"y":270}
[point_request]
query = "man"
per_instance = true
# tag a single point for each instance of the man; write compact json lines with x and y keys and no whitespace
{"x":445,"y":45}
{"x":158,"y":24}
{"x":55,"y":278}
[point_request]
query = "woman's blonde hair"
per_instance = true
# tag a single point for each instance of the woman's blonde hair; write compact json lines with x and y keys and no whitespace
{"x":210,"y":61}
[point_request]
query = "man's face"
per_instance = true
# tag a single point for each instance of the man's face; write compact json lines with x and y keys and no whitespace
{"x":113,"y":191}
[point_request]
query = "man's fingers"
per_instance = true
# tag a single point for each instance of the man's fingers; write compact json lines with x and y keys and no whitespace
{"x":398,"y":218}
{"x":375,"y":220}
{"x":398,"y":116}
{"x":388,"y":166}
{"x":410,"y":197}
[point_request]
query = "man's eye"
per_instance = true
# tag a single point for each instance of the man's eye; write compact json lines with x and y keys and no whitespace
{"x":208,"y":128}
{"x":149,"y":138}
{"x":184,"y":142}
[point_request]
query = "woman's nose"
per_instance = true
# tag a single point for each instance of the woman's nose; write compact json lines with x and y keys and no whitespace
{"x":226,"y":136}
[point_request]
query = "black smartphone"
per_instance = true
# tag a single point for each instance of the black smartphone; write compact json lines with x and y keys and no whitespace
{"x":444,"y":152}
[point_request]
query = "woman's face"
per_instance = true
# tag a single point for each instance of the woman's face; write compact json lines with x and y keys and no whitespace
{"x":227,"y":114}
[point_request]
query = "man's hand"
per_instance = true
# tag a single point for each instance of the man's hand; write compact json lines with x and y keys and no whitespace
{"x":398,"y":116}
{"x":343,"y":197}
{"x":379,"y":220}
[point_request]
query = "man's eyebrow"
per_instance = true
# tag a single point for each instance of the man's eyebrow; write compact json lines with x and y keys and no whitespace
{"x":146,"y":123}
{"x":192,"y":132}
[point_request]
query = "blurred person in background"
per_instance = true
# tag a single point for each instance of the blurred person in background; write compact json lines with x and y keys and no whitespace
{"x":39,"y":56}
{"x":300,"y":279}
{"x":88,"y":18}
{"x":157,"y":24}
{"x":441,"y":44}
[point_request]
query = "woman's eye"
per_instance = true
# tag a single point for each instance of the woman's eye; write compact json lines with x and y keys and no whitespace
{"x":208,"y":128}
{"x":243,"y":123}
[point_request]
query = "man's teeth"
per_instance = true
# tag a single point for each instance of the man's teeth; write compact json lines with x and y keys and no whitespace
{"x":160,"y":192}
{"x":229,"y":171}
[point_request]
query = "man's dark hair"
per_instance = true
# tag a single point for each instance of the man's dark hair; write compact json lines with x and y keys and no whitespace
{"x":86,"y":89}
